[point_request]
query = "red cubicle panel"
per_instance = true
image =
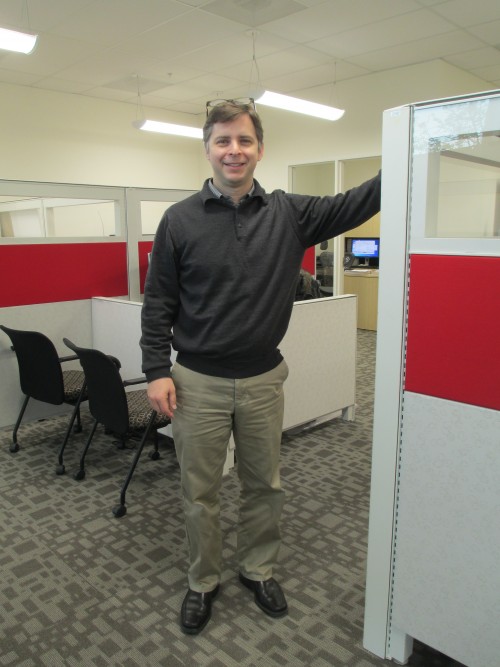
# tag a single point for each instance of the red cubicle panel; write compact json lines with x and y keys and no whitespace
{"x":144,"y":247}
{"x":51,"y":272}
{"x":453,"y":349}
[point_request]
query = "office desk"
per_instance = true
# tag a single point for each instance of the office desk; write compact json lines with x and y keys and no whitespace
{"x":364,"y":284}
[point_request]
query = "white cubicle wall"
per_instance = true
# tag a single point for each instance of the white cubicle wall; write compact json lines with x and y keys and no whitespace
{"x":433,"y":572}
{"x":56,"y":320}
{"x":319,"y":347}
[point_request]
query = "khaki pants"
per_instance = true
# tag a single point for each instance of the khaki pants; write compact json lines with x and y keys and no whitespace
{"x":208,"y":409}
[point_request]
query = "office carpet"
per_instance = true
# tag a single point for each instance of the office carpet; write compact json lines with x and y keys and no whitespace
{"x":79,"y":587}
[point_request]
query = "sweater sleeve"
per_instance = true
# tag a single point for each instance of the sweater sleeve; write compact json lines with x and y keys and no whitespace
{"x":160,"y":306}
{"x":322,"y":218}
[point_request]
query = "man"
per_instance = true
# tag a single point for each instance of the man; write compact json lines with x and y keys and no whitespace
{"x":220,"y":289}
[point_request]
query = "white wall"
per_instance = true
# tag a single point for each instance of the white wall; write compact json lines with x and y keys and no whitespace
{"x":51,"y":136}
{"x":56,"y":137}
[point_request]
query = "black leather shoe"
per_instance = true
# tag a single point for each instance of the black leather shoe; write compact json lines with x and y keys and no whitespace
{"x":268,"y":596}
{"x":196,"y":610}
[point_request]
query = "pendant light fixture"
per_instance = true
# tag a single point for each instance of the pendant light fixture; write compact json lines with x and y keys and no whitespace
{"x":159,"y":126}
{"x":279,"y":101}
{"x":19,"y":42}
{"x":298,"y":105}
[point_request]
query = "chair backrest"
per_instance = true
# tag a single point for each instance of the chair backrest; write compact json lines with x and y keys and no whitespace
{"x":40,"y":372}
{"x":107,"y":399}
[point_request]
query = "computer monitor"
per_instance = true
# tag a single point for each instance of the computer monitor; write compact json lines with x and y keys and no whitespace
{"x":366,"y":251}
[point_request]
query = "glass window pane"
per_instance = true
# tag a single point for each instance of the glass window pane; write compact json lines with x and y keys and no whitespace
{"x":25,"y":217}
{"x":151,"y":214}
{"x":456,"y":170}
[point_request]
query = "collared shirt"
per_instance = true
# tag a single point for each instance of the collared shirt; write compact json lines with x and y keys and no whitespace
{"x":217,"y":193}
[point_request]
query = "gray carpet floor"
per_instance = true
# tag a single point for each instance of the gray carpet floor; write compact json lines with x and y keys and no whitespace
{"x":80,"y":588}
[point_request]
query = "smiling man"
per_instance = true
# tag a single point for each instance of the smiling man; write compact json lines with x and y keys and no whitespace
{"x":220,"y":290}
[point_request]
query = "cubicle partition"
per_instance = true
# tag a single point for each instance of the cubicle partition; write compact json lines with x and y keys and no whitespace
{"x":319,"y":347}
{"x":61,"y":245}
{"x":433,"y":554}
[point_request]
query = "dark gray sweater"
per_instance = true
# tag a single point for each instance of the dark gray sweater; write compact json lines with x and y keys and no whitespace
{"x":222,"y":278}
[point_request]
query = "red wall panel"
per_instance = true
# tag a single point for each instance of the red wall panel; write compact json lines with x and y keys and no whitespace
{"x":45,"y":273}
{"x":143,"y":249}
{"x":309,"y":261}
{"x":453,"y":349}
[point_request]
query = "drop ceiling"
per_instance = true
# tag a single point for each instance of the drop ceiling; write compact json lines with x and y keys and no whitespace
{"x":179,"y":53}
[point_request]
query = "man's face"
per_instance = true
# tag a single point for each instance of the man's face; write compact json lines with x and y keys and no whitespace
{"x":233,"y":151}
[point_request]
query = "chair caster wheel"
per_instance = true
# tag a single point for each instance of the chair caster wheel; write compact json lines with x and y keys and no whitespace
{"x":14,"y":447}
{"x":154,"y":456}
{"x":79,"y":475}
{"x":119,"y":511}
{"x":60,"y":469}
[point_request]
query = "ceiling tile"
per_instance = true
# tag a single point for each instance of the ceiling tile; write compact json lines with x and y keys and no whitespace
{"x":330,"y":18}
{"x":386,"y":33}
{"x":466,"y":13}
{"x":488,"y":32}
{"x":253,"y":13}
{"x":476,"y":58}
{"x":418,"y":51}
{"x":112,"y":21}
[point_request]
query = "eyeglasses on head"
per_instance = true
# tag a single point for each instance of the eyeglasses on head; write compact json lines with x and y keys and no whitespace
{"x":247,"y":103}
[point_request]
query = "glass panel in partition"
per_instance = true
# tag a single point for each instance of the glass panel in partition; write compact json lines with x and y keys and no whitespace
{"x":151,"y":214}
{"x":53,"y":217}
{"x":456,"y":170}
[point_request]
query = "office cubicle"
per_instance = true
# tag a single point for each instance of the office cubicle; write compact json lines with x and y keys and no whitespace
{"x":433,"y":539}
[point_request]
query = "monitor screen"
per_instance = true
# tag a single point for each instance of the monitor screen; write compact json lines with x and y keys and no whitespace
{"x":365,"y":248}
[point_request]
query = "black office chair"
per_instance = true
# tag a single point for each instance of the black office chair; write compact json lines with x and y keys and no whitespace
{"x":122,"y":413}
{"x":42,"y":378}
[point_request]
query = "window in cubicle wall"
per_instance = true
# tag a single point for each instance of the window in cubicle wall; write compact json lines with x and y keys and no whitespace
{"x":151,"y":214}
{"x":327,"y":178}
{"x":462,"y":170}
{"x":145,"y":208}
{"x":72,"y":237}
{"x":63,"y":217}
{"x":317,"y":179}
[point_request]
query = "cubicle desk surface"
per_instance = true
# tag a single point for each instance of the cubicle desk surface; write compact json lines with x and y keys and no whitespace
{"x":364,"y":284}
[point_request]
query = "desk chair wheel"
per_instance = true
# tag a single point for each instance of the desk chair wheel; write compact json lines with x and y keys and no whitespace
{"x":60,"y":470}
{"x":79,"y":475}
{"x":119,"y":511}
{"x":14,"y":447}
{"x":154,"y":455}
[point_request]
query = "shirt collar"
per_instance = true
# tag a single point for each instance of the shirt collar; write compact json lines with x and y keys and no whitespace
{"x":217,"y":193}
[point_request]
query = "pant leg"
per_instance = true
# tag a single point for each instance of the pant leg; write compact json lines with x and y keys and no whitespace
{"x":258,"y":426}
{"x":201,"y":428}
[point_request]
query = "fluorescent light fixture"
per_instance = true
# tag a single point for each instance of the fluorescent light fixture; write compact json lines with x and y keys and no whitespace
{"x":168,"y":128}
{"x":300,"y":106}
{"x":21,"y":42}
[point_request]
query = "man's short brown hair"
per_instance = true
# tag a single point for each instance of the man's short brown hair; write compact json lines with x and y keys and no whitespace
{"x":227,"y":111}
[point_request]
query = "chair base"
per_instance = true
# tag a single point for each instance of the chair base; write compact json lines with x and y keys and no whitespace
{"x":79,"y":475}
{"x":60,"y":470}
{"x":14,"y":447}
{"x":119,"y":511}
